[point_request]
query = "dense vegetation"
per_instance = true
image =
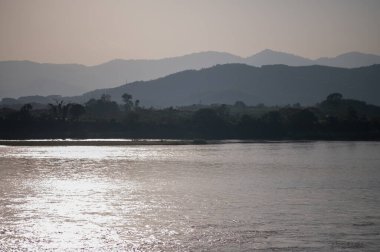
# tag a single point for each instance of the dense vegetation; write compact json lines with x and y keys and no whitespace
{"x":334,"y":118}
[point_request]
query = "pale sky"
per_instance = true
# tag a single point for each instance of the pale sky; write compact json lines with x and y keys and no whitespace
{"x":95,"y":31}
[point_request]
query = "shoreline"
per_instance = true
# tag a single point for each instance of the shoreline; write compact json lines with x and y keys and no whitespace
{"x":60,"y":142}
{"x":142,"y":142}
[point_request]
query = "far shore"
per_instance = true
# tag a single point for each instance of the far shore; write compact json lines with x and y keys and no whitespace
{"x":137,"y":142}
{"x":100,"y":142}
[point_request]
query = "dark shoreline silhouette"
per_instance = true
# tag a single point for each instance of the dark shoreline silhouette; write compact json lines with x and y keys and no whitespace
{"x":335,"y":118}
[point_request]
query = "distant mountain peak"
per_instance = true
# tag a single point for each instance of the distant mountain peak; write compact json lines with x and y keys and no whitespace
{"x":350,"y":60}
{"x":270,"y":51}
{"x":267,"y":50}
{"x":270,"y":57}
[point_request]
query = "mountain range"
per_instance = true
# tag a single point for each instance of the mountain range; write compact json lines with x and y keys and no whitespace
{"x":228,"y":83}
{"x":271,"y":85}
{"x":25,"y":78}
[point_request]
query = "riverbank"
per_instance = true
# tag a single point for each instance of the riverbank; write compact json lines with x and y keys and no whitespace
{"x":101,"y":142}
{"x":136,"y":142}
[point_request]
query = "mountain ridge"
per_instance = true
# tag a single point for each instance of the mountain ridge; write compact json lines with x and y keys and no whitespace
{"x":23,"y":78}
{"x":228,"y":83}
{"x":271,"y":84}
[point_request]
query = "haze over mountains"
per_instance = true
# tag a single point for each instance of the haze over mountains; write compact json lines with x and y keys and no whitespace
{"x":228,"y":83}
{"x":24,"y":78}
{"x":271,"y":85}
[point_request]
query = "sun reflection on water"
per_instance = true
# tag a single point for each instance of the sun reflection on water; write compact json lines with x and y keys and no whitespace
{"x":188,"y":198}
{"x":73,"y":214}
{"x":95,"y":152}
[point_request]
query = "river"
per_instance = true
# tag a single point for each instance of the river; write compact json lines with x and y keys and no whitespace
{"x":279,"y":196}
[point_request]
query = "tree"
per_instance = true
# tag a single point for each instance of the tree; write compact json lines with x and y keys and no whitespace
{"x":137,"y":103}
{"x":102,"y":108}
{"x":334,"y":97}
{"x":76,"y":110}
{"x":272,"y":124}
{"x":303,"y":120}
{"x":240,"y":105}
{"x":249,"y":127}
{"x":59,"y":111}
{"x":26,"y":108}
{"x":105,"y":97}
{"x":25,"y":111}
{"x":209,"y":123}
{"x":127,"y":99}
{"x":352,"y":114}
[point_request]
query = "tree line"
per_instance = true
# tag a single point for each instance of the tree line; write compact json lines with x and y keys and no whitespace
{"x":335,"y":118}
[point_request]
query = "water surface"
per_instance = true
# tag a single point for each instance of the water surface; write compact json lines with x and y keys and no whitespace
{"x":310,"y":196}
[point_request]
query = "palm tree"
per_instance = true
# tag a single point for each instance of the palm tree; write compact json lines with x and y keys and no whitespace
{"x":127,"y":98}
{"x":60,"y":110}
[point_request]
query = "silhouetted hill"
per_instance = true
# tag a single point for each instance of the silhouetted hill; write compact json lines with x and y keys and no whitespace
{"x":271,"y":85}
{"x":18,"y":78}
{"x":269,"y":57}
{"x":350,"y":60}
{"x":25,"y":78}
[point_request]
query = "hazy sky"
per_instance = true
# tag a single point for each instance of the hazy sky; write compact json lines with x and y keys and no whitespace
{"x":94,"y":31}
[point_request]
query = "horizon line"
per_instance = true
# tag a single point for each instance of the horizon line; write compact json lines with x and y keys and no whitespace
{"x":188,"y":54}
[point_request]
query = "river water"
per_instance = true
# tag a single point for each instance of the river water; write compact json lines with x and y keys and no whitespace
{"x":300,"y":196}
